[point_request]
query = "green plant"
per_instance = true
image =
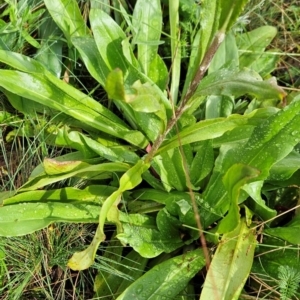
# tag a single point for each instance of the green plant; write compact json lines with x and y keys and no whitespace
{"x":23,"y":19}
{"x":164,"y":173}
{"x":289,"y":281}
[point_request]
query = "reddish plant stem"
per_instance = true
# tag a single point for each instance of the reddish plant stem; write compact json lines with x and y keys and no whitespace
{"x":218,"y":39}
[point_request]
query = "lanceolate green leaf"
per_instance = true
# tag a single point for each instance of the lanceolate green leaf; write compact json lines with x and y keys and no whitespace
{"x":92,"y":193}
{"x":286,"y":167}
{"x":234,"y":179}
{"x":108,"y":36}
{"x":167,"y":279}
{"x":175,"y":48}
{"x":226,"y":56}
{"x":87,"y":145}
{"x":21,"y":62}
{"x":146,"y":27}
{"x":213,"y":128}
{"x":103,"y":170}
{"x":50,"y":53}
{"x":170,"y":168}
{"x":232,"y":83}
{"x":230,"y":11}
{"x":256,"y":203}
{"x":231,"y":264}
{"x":209,"y":26}
{"x":68,"y":17}
{"x":289,"y":233}
{"x":252,"y":45}
{"x":88,"y":50}
{"x":28,"y":65}
{"x":203,"y":163}
{"x":270,"y":142}
{"x":149,"y":240}
{"x":62,"y":97}
{"x":25,"y":218}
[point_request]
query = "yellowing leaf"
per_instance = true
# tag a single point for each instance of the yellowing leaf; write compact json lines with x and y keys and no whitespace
{"x":54,"y":167}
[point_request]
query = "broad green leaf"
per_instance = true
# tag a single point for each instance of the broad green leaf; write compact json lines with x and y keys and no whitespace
{"x":158,"y":79}
{"x":39,"y":112}
{"x":25,"y":218}
{"x":252,"y":45}
{"x":227,"y":56}
{"x":148,"y":239}
{"x":231,"y":264}
{"x":114,"y":85}
{"x":50,"y":53}
{"x":256,"y":203}
{"x":51,"y":92}
{"x":168,"y":225}
{"x":175,"y":49}
{"x":103,"y":5}
{"x":267,"y":62}
{"x":143,"y":207}
{"x":133,"y":177}
{"x":146,"y":31}
{"x":203,"y":163}
{"x":230,"y":11}
{"x":129,"y":54}
{"x":290,"y":232}
{"x":213,"y":128}
{"x":170,"y":168}
{"x":218,"y":106}
{"x":235,"y":178}
{"x":92,"y":193}
{"x":179,"y":204}
{"x":216,"y":19}
{"x":232,"y":83}
{"x":87,"y":146}
{"x":103,"y":170}
{"x":25,"y":106}
{"x":67,"y":16}
{"x":286,"y":167}
{"x":28,"y":65}
{"x":167,"y":279}
{"x":21,"y":62}
{"x":209,"y":20}
{"x":88,"y":50}
{"x":145,"y":99}
{"x":76,"y":140}
{"x":108,"y":36}
{"x":270,"y":142}
{"x":166,"y":198}
{"x":237,"y":135}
